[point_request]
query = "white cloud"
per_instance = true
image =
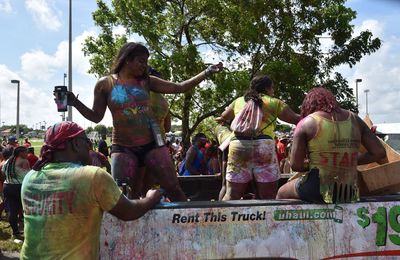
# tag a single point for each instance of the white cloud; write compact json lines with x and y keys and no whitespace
{"x":5,"y":6}
{"x":373,"y":26}
{"x":42,"y":66}
{"x":40,"y":72}
{"x":34,"y":103}
{"x":380,"y":73}
{"x":44,"y":15}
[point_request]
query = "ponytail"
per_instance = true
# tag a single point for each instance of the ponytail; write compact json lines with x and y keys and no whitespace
{"x":258,"y":84}
{"x":252,"y":94}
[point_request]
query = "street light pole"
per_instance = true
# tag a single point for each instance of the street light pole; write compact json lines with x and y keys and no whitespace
{"x":357,"y":81}
{"x":63,"y":113}
{"x":366,"y":100}
{"x":70,"y":58}
{"x":14,"y":81}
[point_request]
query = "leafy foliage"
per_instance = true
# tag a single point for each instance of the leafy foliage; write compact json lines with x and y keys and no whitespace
{"x":281,"y":38}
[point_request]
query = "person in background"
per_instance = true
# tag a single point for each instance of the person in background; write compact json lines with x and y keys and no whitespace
{"x":103,"y":147}
{"x":64,"y":199}
{"x":4,"y":142}
{"x":329,"y":138}
{"x":32,"y":158}
{"x":27,"y":143}
{"x":1,"y":182}
{"x":12,"y":141}
{"x":211,"y":159}
{"x":285,"y":162}
{"x":281,"y":148}
{"x":14,"y":170}
{"x":136,"y":136}
{"x":5,"y":155}
{"x":194,"y":161}
{"x":255,"y":158}
{"x":222,"y":132}
{"x":99,"y":159}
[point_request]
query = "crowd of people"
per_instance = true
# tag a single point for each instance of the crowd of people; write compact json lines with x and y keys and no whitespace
{"x":66,"y":190}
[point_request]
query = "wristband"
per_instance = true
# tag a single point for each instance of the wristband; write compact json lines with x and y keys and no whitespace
{"x":209,"y":71}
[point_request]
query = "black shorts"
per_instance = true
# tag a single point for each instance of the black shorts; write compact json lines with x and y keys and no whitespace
{"x":139,"y":151}
{"x":308,"y":188}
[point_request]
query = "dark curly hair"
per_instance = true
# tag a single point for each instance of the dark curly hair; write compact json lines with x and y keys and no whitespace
{"x":318,"y":99}
{"x":258,"y":84}
{"x":128,"y":52}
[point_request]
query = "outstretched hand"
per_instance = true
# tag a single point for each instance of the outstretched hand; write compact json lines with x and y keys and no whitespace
{"x":71,"y":98}
{"x":212,"y":69}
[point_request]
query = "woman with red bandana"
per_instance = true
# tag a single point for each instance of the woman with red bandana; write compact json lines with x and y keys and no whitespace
{"x":137,"y":140}
{"x":64,"y":199}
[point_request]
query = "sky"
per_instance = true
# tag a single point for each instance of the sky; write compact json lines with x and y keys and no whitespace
{"x":34,"y":50}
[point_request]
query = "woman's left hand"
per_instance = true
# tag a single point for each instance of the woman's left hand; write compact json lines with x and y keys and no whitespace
{"x":212,"y":69}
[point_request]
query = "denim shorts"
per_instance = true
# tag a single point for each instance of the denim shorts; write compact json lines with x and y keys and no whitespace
{"x":308,"y":188}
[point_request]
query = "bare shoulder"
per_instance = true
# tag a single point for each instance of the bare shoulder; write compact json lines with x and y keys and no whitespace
{"x":105,"y":84}
{"x":307,"y":127}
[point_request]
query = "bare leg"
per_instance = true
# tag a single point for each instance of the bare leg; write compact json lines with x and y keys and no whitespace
{"x":223,"y":186}
{"x":149,"y":182}
{"x":267,"y":190}
{"x":124,"y":168}
{"x":234,"y":191}
{"x":288,"y":191}
{"x":159,"y":163}
{"x":137,"y":183}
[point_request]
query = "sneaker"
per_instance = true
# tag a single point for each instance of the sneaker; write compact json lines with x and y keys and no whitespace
{"x":18,"y":238}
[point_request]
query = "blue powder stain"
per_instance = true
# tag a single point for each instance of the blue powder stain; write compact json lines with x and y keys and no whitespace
{"x":137,"y":92}
{"x":119,"y":95}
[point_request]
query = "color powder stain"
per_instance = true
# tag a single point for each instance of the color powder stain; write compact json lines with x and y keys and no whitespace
{"x":137,"y":92}
{"x":119,"y":95}
{"x":130,"y":111}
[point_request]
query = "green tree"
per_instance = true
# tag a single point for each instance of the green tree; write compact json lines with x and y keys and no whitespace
{"x":89,"y":129}
{"x":101,"y":129}
{"x":109,"y":130}
{"x":281,"y":38}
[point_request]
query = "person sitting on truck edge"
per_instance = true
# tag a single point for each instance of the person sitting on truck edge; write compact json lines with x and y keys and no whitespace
{"x":330,"y":137}
{"x":194,"y":160}
{"x":64,"y":199}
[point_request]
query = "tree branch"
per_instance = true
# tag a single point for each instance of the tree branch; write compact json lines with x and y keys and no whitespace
{"x":211,"y":113}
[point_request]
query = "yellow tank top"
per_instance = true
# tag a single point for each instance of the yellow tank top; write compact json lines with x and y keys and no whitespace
{"x":334,"y":150}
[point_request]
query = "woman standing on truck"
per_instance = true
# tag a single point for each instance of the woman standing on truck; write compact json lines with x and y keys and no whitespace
{"x":137,"y":139}
{"x":255,"y":157}
{"x":329,"y":137}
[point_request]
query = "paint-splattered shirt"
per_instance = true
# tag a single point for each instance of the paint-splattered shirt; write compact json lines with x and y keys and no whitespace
{"x":334,"y":150}
{"x":63,"y":207}
{"x":129,"y":105}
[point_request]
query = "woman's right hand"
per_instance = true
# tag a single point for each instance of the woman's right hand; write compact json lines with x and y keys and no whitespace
{"x":71,"y":98}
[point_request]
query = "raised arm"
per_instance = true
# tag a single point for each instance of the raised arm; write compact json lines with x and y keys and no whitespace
{"x":289,"y":116}
{"x":95,"y":114}
{"x":167,"y":87}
